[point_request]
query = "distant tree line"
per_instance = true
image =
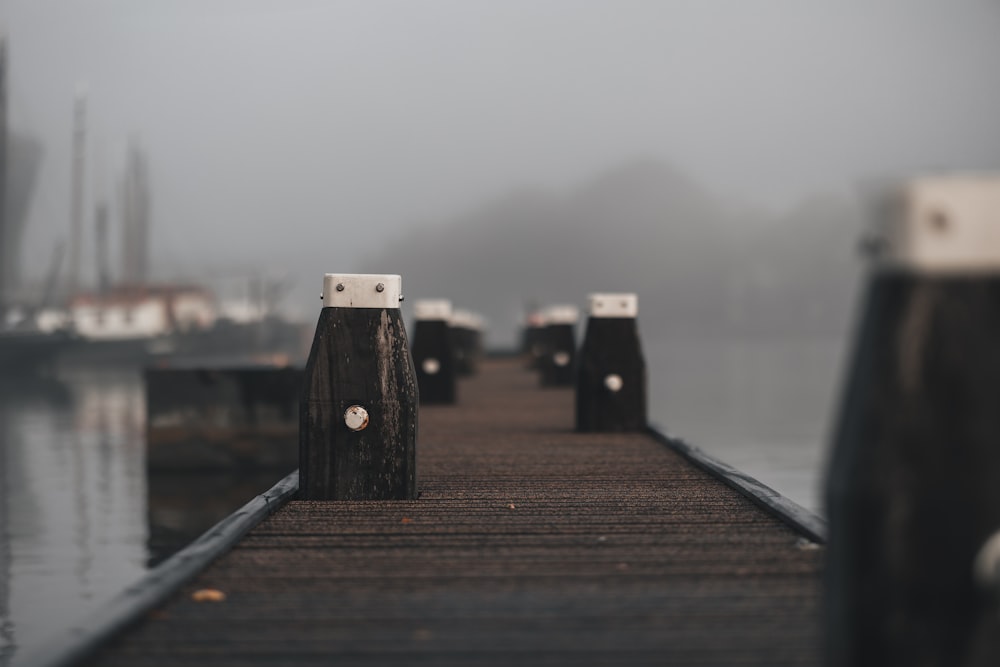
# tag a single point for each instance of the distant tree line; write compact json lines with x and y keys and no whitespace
{"x":702,"y":266}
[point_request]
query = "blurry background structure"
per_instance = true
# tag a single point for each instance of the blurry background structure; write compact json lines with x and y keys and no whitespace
{"x":720,"y":144}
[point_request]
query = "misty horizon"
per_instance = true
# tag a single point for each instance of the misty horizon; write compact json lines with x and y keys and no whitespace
{"x":314,"y":138}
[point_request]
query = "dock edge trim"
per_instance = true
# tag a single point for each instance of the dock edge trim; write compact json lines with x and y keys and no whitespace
{"x":788,"y":511}
{"x":84,"y":638}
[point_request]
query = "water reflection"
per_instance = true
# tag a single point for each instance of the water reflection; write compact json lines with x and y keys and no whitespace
{"x":6,"y":626}
{"x":182,"y":506}
{"x":79,"y":519}
{"x":21,"y":399}
{"x":761,"y":405}
{"x":73,"y":478}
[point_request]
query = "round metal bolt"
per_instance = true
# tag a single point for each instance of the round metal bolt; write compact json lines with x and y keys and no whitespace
{"x":356,"y":418}
{"x":560,"y":358}
{"x":614,"y":382}
{"x":340,"y":287}
{"x":431,"y":366}
{"x":380,"y":287}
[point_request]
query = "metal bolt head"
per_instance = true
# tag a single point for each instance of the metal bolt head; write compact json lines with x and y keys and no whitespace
{"x":614,"y":382}
{"x":561,"y":358}
{"x":356,"y":418}
{"x":431,"y":366}
{"x":340,"y":287}
{"x":380,"y":287}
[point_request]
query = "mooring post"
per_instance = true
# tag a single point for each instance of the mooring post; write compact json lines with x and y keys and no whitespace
{"x":434,"y":351}
{"x":533,"y":339}
{"x":913,"y":489}
{"x":985,"y":645}
{"x":358,"y":414}
{"x":558,"y":362}
{"x":611,"y":381}
{"x":466,"y":329}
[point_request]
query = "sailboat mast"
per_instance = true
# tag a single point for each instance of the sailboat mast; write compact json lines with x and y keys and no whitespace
{"x":6,"y":251}
{"x":76,"y":201}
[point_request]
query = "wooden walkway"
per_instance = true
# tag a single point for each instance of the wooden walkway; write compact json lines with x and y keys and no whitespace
{"x":530,"y":545}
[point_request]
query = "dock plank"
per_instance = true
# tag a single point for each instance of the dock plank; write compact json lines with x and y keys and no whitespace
{"x":529,"y":544}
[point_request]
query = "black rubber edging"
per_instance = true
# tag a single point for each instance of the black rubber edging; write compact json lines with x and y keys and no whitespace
{"x":86,"y":637}
{"x":791,"y":513}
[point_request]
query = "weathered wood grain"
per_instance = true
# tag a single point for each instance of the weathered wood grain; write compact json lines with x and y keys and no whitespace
{"x":359,"y":356}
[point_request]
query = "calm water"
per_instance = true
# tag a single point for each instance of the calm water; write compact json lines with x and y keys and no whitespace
{"x":764,"y":407}
{"x":76,"y":506}
{"x":73,"y":500}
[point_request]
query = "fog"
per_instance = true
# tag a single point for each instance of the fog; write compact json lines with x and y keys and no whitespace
{"x":714,"y":156}
{"x":308,"y":137}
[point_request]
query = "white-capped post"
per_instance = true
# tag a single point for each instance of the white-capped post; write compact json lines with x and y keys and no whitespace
{"x":467,"y":334}
{"x":611,"y":381}
{"x":558,"y":341}
{"x":358,"y":414}
{"x":944,"y":226}
{"x":434,"y":351}
{"x":533,"y":338}
{"x":913,"y":489}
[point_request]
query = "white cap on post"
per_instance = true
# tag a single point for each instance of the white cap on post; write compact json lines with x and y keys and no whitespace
{"x":464,"y":319}
{"x":362,"y":290}
{"x":432,"y":309}
{"x":614,"y":305}
{"x":948,"y":224}
{"x":563,"y":314}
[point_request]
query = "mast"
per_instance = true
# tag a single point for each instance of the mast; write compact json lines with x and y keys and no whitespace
{"x":6,"y":252}
{"x":101,"y":245}
{"x":76,"y":201}
{"x":135,"y":218}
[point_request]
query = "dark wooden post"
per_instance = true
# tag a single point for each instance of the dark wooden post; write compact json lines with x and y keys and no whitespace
{"x":434,"y":351}
{"x":985,"y":645}
{"x":558,"y":362}
{"x":358,"y":415}
{"x":466,"y":330}
{"x":533,"y":339}
{"x":611,"y":381}
{"x":913,"y":489}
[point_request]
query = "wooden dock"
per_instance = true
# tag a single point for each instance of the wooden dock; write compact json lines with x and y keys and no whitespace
{"x":530,"y":544}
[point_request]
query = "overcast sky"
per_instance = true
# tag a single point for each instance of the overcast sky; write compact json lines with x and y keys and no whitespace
{"x":302,"y":133}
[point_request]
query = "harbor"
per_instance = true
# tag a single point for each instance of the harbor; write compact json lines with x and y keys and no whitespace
{"x":692,"y":365}
{"x":543,"y":474}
